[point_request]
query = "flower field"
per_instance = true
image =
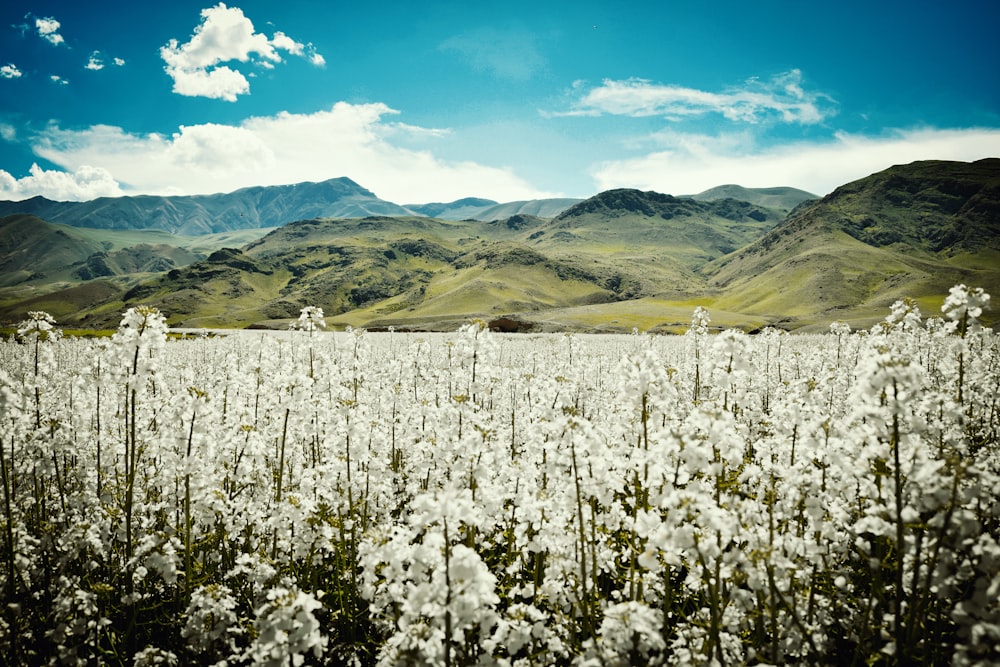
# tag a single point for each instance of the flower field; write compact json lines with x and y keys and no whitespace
{"x":360,"y":498}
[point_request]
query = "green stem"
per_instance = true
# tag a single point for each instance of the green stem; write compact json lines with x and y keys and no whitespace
{"x":584,"y":597}
{"x":447,"y":602}
{"x":187,"y":512}
{"x":281,"y":468}
{"x":12,"y":574}
{"x":900,"y":626}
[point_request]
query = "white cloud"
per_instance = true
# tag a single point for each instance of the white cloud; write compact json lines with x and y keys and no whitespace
{"x":782,"y":98}
{"x":84,"y":183}
{"x":283,"y":41}
{"x":95,"y":62}
{"x":48,"y":29}
{"x":347,"y":140}
{"x":225,"y":35}
{"x":315,"y":58}
{"x":210,"y":146}
{"x":55,"y":78}
{"x":695,"y":163}
{"x":10,"y":71}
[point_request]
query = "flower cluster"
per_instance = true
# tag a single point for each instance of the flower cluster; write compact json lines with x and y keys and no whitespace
{"x":475,"y":498}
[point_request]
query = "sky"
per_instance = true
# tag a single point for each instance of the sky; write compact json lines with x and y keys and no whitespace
{"x":434,"y":101}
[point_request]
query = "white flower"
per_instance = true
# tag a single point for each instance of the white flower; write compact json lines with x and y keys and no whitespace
{"x":965,"y":307}
{"x":38,"y":323}
{"x":629,"y":630}
{"x":699,"y":321}
{"x":287,"y":629}
{"x":310,"y":319}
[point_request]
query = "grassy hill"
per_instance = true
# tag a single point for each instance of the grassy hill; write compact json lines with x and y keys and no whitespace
{"x":33,"y":250}
{"x":432,"y":273}
{"x":782,"y":198}
{"x":472,"y":208}
{"x":618,"y":260}
{"x":912,"y":230}
{"x":67,"y":270}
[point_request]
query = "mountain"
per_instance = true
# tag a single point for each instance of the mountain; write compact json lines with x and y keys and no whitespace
{"x":35,"y":253}
{"x":782,"y":198}
{"x":429,"y":272}
{"x":621,"y":259}
{"x":380,"y":270}
{"x":691,"y":231}
{"x":460,"y":209}
{"x":272,"y":206}
{"x":909,"y":231}
{"x":32,"y":248}
{"x":248,"y":208}
{"x":487,"y":210}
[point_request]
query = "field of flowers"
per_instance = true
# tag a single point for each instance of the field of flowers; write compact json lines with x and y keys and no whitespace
{"x":367,"y":498}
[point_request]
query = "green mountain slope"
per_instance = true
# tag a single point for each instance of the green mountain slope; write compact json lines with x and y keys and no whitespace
{"x":33,"y":250}
{"x":42,"y":265}
{"x":689,"y":231}
{"x":782,"y":198}
{"x":618,"y":260}
{"x":912,"y":230}
{"x":247,"y":208}
{"x":488,"y":210}
{"x":427,"y":272}
{"x":371,"y":270}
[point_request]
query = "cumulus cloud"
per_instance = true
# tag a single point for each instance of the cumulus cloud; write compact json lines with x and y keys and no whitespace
{"x":56,"y":79}
{"x":10,"y":71}
{"x":95,"y":62}
{"x":314,"y":57}
{"x":83,"y":184}
{"x":355,"y":140}
{"x":781,"y":97}
{"x":694,"y":163}
{"x":225,"y":35}
{"x":48,"y":29}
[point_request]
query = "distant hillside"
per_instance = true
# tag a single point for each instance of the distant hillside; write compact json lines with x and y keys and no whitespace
{"x":686,"y":228}
{"x":272,"y":206}
{"x":460,"y":209}
{"x":32,"y":248}
{"x":909,"y":231}
{"x":37,"y":253}
{"x":782,"y":198}
{"x":248,"y":208}
{"x":418,"y":271}
{"x":487,"y":210}
{"x":621,"y":259}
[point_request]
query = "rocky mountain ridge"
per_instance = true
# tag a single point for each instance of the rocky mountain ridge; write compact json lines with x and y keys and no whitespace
{"x":272,"y":206}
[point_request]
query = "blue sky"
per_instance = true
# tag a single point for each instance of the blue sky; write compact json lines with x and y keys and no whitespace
{"x":434,"y":101}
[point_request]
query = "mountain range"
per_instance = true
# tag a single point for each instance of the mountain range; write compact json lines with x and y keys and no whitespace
{"x":273,"y":206}
{"x":618,"y":260}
